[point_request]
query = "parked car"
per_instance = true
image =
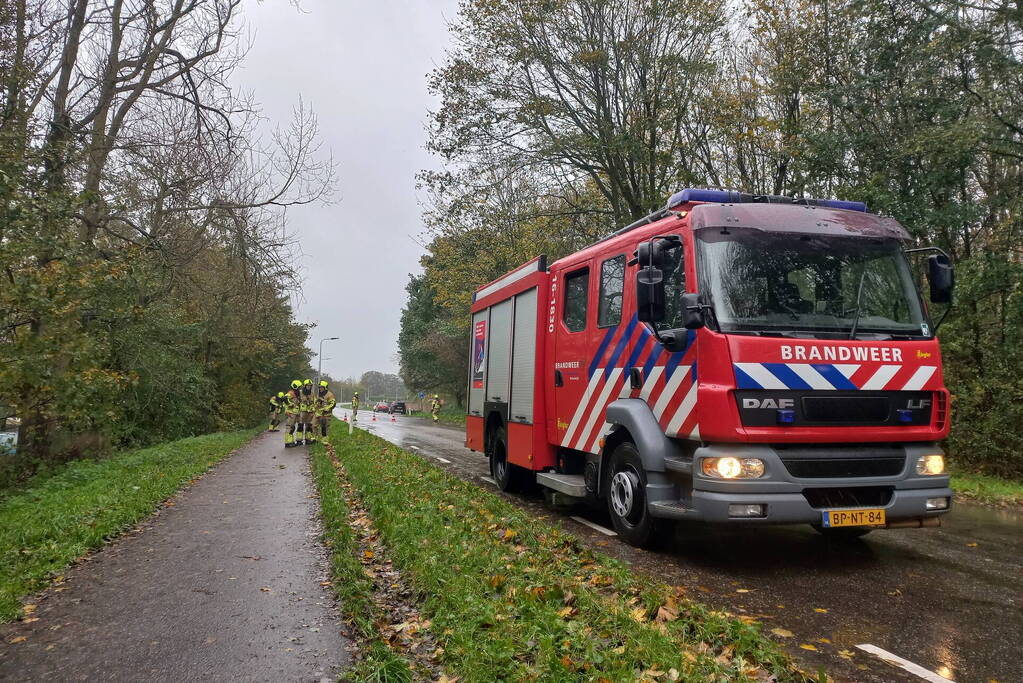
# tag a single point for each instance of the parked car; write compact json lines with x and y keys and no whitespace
{"x":381,"y":407}
{"x":398,"y":408}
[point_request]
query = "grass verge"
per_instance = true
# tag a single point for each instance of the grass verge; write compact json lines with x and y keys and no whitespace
{"x":351,"y":585}
{"x":510,"y":598}
{"x":46,"y":527}
{"x":987,"y":489}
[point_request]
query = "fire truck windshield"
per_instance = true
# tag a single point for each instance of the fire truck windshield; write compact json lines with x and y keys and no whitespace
{"x":774,"y":282}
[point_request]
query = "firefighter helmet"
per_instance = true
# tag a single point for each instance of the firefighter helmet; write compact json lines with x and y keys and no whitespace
{"x":280,"y":394}
{"x":323,"y":383}
{"x":308,"y":382}
{"x":296,"y":384}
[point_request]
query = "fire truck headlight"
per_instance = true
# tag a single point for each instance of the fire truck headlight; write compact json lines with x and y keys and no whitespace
{"x":930,"y":464}
{"x":733,"y":468}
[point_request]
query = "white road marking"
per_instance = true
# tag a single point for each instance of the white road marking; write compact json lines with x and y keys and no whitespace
{"x":596,"y":527}
{"x":904,"y":664}
{"x":488,"y":479}
{"x":443,"y":460}
{"x":415,"y":448}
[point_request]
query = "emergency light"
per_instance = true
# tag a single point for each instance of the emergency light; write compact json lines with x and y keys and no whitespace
{"x":733,"y":197}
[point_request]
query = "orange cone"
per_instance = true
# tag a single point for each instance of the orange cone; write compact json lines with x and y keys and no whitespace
{"x":392,"y":418}
{"x":374,"y":418}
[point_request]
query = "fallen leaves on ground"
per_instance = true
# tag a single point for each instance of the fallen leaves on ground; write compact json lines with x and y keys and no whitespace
{"x":808,"y":646}
{"x":782,"y":632}
{"x":820,"y":610}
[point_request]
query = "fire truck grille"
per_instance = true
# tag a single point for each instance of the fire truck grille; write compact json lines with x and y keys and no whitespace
{"x":848,"y":497}
{"x":823,"y":468}
{"x":857,"y":409}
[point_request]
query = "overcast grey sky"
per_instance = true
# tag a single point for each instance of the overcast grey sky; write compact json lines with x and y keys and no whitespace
{"x":361,"y":65}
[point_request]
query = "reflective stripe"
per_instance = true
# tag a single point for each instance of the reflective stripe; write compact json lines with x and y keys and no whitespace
{"x":651,"y":382}
{"x":761,"y":375}
{"x":580,"y":409}
{"x":880,"y":378}
{"x":684,"y":409}
{"x":669,"y":390}
{"x":598,"y":406}
{"x":812,"y":376}
{"x":920,"y":377}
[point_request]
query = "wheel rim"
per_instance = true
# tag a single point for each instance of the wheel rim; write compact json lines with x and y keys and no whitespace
{"x":625,"y":494}
{"x":500,"y":462}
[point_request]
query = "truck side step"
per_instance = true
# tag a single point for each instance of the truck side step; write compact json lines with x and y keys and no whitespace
{"x":671,"y":509}
{"x":680,"y":465}
{"x":569,"y":484}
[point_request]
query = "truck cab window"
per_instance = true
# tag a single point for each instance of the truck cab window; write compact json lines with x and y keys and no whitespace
{"x":577,"y":287}
{"x":612,"y":290}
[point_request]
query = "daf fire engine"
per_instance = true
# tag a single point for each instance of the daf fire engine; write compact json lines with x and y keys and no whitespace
{"x":728,"y":359}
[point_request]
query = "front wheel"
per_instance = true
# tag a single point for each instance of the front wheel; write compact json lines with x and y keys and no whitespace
{"x":626,"y":500}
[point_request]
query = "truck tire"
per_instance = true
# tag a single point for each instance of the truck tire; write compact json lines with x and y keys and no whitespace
{"x":510,"y":478}
{"x":626,"y":500}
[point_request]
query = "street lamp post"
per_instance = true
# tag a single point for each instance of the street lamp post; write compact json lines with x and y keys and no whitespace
{"x":319,"y":360}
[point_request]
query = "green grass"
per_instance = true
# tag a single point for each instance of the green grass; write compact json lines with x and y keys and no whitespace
{"x":987,"y":489}
{"x":352,"y":587}
{"x":47,"y":526}
{"x":512,"y":598}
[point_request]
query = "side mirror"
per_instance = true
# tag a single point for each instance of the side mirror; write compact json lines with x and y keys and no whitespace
{"x":650,"y":254}
{"x":941,"y":276}
{"x":650,"y":294}
{"x":692,"y":312}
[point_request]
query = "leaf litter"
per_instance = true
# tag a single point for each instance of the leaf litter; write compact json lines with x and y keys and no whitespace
{"x":399,"y":621}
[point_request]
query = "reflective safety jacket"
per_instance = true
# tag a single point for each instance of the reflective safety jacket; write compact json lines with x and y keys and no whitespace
{"x":325,"y":403}
{"x":306,"y":402}
{"x":291,"y":402}
{"x":275,"y":403}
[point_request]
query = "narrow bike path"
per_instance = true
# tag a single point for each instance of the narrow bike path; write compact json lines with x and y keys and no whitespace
{"x":224,"y":584}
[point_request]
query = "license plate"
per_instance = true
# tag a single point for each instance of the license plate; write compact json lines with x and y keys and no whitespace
{"x":833,"y":518}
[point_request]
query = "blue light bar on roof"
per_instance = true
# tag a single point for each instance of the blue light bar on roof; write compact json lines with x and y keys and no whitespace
{"x":732,"y":197}
{"x":691,"y":195}
{"x":841,"y":204}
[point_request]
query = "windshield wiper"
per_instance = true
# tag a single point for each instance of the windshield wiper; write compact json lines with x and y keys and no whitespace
{"x":859,"y":295}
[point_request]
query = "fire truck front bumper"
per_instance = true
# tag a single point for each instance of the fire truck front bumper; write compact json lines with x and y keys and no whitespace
{"x":857,"y":478}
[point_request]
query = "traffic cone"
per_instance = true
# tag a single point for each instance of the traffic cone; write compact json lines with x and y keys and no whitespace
{"x":392,"y":418}
{"x":344,"y":418}
{"x":374,"y":418}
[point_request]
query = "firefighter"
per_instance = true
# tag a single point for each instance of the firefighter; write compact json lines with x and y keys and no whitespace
{"x":307,"y":408}
{"x":355,"y":406}
{"x":325,"y":403}
{"x":276,"y":406}
{"x":291,"y":401}
{"x":435,"y":404}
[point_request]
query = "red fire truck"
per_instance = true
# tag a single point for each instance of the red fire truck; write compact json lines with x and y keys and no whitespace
{"x":730,"y":358}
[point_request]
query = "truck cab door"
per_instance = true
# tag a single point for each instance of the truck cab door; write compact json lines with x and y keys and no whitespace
{"x":590,"y":349}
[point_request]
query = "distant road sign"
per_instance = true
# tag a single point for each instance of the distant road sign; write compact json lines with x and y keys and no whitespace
{"x":422,"y":394}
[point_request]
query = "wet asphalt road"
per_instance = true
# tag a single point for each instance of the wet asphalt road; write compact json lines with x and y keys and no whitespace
{"x":948,"y":599}
{"x":222,"y":586}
